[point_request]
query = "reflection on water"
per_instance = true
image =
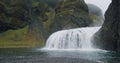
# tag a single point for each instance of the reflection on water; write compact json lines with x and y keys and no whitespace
{"x":8,"y":54}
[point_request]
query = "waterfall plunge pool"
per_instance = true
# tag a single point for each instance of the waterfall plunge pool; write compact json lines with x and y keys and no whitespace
{"x":61,"y":50}
{"x":76,"y":43}
{"x":56,"y":56}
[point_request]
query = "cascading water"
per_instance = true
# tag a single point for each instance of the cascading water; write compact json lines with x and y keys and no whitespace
{"x":79,"y":38}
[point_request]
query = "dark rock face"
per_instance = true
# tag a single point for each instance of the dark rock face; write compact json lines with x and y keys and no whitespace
{"x":108,"y":37}
{"x":18,"y":14}
{"x":71,"y":14}
{"x":52,"y":3}
{"x":12,"y":19}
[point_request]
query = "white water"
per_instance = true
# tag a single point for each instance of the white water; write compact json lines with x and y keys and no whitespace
{"x":72,"y":39}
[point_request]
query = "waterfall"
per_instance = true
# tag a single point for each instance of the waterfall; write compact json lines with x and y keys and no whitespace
{"x":79,"y":38}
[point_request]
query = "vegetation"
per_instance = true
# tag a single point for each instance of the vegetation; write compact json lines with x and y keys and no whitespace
{"x":18,"y":38}
{"x":15,"y":15}
{"x":28,"y":23}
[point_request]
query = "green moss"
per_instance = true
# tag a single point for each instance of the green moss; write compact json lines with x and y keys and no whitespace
{"x":51,"y":17}
{"x":93,"y":17}
{"x":71,"y":14}
{"x":35,"y":4}
{"x":18,"y":38}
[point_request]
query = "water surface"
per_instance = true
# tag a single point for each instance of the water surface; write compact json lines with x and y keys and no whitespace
{"x":57,"y":56}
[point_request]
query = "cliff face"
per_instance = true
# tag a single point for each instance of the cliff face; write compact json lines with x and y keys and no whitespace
{"x":108,"y":37}
{"x":12,"y":19}
{"x":71,"y":14}
{"x":29,"y":16}
{"x":28,"y":23}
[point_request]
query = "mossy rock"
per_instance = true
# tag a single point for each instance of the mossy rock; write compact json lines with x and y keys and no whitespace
{"x":70,"y":14}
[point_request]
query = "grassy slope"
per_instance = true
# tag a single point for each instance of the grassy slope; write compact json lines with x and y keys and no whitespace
{"x":18,"y":38}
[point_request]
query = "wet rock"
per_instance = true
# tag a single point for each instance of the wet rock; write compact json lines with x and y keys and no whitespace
{"x":108,"y":37}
